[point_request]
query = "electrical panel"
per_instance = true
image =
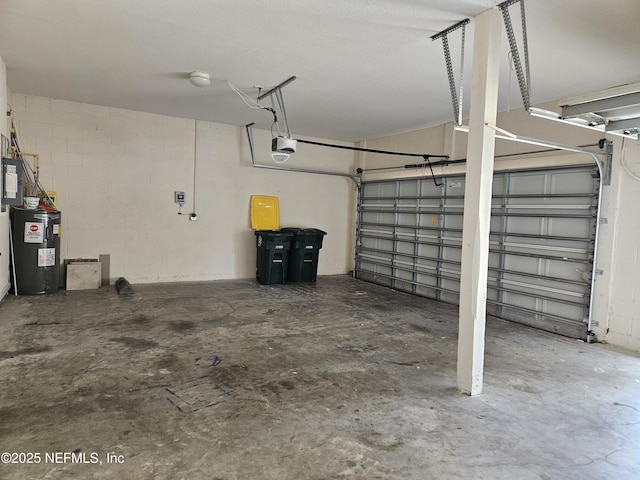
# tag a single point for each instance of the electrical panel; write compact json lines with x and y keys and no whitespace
{"x":11,"y":182}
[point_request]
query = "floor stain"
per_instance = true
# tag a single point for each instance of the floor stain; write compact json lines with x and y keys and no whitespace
{"x":359,"y":349}
{"x":420,"y":328}
{"x":526,"y":388}
{"x":387,"y":443}
{"x":209,"y":361}
{"x":139,"y":343}
{"x":168,"y":360}
{"x":381,"y":307}
{"x":140,"y":319}
{"x":198,"y":393}
{"x":24,"y":351}
{"x":182,"y":325}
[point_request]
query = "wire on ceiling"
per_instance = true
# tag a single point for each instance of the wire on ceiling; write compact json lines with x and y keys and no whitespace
{"x":256,"y":105}
{"x":447,"y":162}
{"x":624,"y":161}
{"x":425,"y":156}
{"x":371,"y":150}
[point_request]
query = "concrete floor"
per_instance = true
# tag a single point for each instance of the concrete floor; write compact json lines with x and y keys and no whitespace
{"x":335,"y":380}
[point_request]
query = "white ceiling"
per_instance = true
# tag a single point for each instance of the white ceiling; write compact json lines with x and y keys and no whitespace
{"x":365,"y":68}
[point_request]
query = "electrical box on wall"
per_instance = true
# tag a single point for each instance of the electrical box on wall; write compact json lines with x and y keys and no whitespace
{"x":11,"y":182}
{"x":179,"y":198}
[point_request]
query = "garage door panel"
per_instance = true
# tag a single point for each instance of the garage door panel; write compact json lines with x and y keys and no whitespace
{"x":407,"y":219}
{"x":528,"y":183}
{"x":541,"y":242}
{"x":496,"y":224}
{"x":445,"y":296}
{"x":523,"y":225}
{"x":368,"y":243}
{"x":549,"y":322}
{"x":408,"y":189}
{"x":571,"y":227}
{"x":576,"y":272}
{"x":402,"y":274}
{"x":493,"y":294}
{"x":405,"y":247}
{"x":425,"y":291}
{"x":426,"y":273}
{"x":495,"y":259}
{"x":519,"y":263}
{"x":453,"y":222}
{"x":428,"y":251}
{"x":370,"y":217}
{"x":567,"y":182}
{"x":454,"y":186}
{"x":384,"y":245}
{"x":452,"y":254}
{"x":386,"y":218}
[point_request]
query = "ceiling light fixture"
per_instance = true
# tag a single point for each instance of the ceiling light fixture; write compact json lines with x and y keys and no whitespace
{"x":200,"y":79}
{"x":279,"y":157}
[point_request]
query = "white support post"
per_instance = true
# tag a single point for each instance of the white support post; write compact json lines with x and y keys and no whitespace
{"x":477,"y":201}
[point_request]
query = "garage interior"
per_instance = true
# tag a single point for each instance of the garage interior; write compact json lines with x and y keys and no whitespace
{"x":475,"y":312}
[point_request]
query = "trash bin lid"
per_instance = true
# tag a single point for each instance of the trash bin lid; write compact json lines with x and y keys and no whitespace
{"x":265,"y":212}
{"x":304,"y":231}
{"x":274,"y":233}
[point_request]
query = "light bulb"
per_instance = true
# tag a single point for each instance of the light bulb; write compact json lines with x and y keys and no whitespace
{"x":279,"y":157}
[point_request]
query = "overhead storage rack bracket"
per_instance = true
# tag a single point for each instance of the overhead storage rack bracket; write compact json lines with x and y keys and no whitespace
{"x":522,"y":71}
{"x":456,"y":99}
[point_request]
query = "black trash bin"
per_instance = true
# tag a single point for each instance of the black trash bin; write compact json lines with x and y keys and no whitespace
{"x":304,"y":252}
{"x":273,"y":256}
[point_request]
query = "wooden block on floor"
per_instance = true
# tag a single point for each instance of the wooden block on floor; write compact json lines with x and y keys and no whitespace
{"x":83,"y":275}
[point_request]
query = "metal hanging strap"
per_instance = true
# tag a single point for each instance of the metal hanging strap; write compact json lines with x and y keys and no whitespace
{"x":523,"y":75}
{"x":456,"y":98}
{"x":280,"y":99}
{"x":277,"y":93}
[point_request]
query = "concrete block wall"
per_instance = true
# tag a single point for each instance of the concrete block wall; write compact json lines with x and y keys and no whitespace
{"x":115,"y":172}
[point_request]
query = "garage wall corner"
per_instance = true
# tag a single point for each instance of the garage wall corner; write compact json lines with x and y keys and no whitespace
{"x":4,"y":216}
{"x":617,"y":293}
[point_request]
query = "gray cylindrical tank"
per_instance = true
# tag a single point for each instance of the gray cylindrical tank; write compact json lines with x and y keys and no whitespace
{"x":36,"y":250}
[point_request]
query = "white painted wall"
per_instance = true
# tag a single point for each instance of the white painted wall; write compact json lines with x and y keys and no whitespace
{"x":115,"y":172}
{"x":443,"y":139}
{"x":616,"y":304}
{"x":5,"y":279}
{"x":617,"y":295}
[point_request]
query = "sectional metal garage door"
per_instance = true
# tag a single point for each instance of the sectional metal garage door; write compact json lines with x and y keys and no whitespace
{"x":543,"y":228}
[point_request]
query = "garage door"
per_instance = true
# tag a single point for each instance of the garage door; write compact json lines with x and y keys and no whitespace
{"x":543,"y":226}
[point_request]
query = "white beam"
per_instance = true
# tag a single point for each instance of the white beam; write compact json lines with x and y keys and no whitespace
{"x":477,"y":201}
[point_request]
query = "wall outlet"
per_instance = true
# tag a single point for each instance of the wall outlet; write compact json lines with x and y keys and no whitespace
{"x":179,"y":198}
